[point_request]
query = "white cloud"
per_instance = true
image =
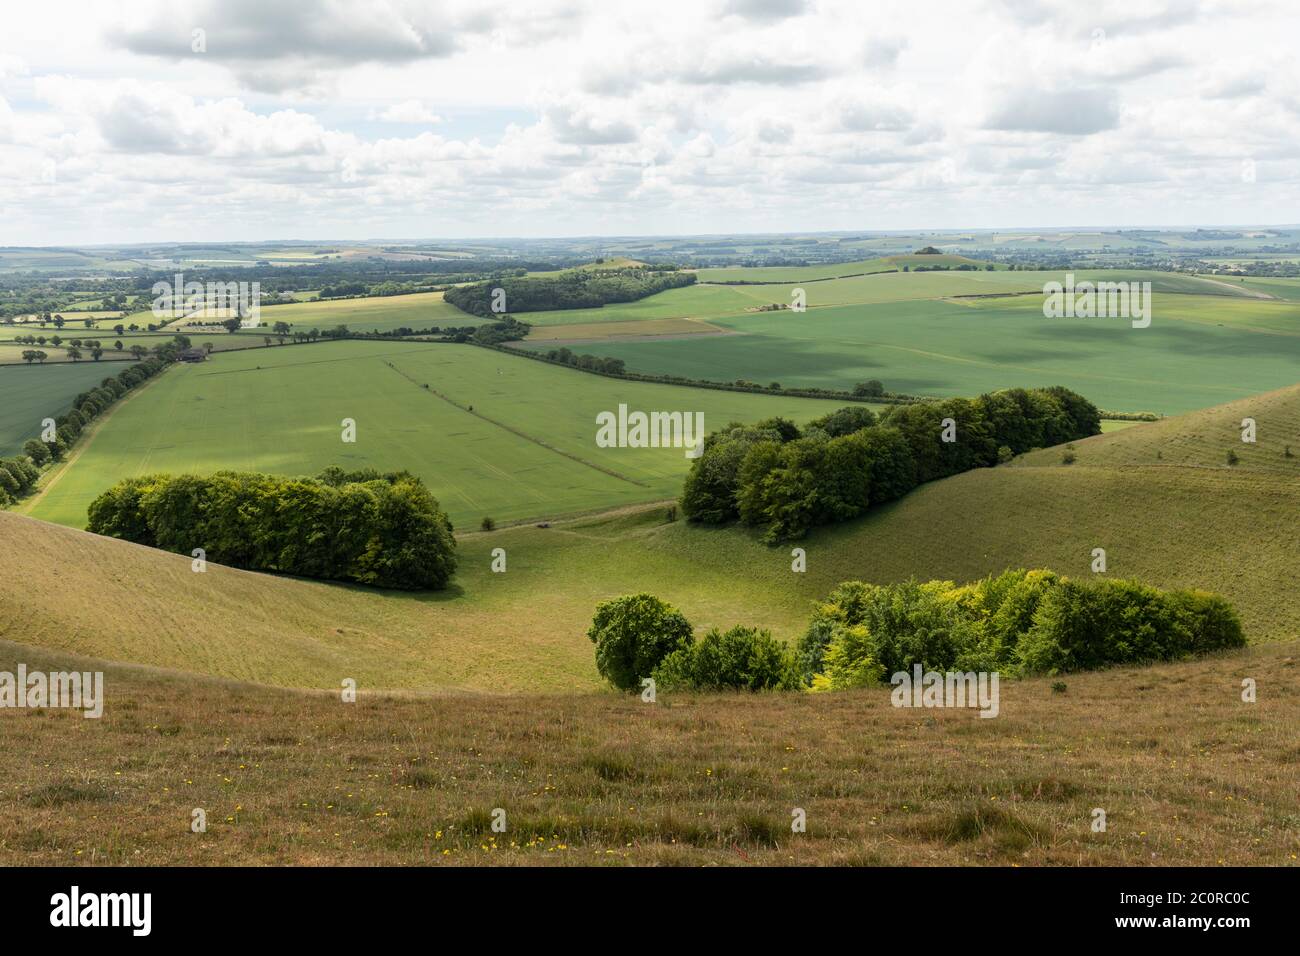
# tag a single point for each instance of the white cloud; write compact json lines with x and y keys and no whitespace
{"x":341,"y":118}
{"x":408,"y":111}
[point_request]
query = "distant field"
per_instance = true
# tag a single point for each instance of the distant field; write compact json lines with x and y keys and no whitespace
{"x":379,"y":313}
{"x":28,"y":395}
{"x":527,"y":449}
{"x":613,"y":331}
{"x":1288,"y":289}
{"x":1200,"y":350}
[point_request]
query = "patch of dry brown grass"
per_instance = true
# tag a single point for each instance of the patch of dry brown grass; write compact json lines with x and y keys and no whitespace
{"x":1187,"y":774}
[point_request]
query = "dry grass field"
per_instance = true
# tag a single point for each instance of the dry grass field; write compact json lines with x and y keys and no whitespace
{"x":1186,"y":772}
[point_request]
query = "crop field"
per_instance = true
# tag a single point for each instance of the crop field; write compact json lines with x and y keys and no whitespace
{"x":28,"y":395}
{"x":492,"y":435}
{"x":1199,"y":350}
{"x":378,"y":313}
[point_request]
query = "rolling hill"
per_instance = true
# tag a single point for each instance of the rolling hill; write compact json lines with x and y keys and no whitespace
{"x":1158,"y":497}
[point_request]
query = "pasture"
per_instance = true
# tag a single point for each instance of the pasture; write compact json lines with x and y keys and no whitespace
{"x":492,"y":435}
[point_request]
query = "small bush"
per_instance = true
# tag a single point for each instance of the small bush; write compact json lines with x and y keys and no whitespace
{"x":1068,"y":458}
{"x":743,"y":658}
{"x":487,"y":524}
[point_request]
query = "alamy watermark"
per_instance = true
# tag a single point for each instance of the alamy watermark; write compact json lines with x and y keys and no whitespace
{"x":74,"y":690}
{"x":626,"y":429}
{"x":1098,"y":300}
{"x":924,"y":688}
{"x":213,"y":300}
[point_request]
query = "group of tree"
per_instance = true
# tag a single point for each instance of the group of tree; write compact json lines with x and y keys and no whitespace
{"x":18,"y":475}
{"x":775,"y":475}
{"x":588,"y":363}
{"x":639,"y":636}
{"x":1017,"y":623}
{"x":575,"y":289}
{"x":508,"y":329}
{"x":384,"y":530}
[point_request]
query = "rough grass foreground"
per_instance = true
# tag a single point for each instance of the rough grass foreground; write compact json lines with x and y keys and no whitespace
{"x":1186,"y":771}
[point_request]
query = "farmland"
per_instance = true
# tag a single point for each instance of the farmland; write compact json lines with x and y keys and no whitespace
{"x":921,"y":333}
{"x":492,"y":435}
{"x":382,"y":314}
{"x":31,"y":394}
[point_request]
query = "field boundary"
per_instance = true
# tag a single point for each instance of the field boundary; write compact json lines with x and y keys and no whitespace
{"x":84,"y":441}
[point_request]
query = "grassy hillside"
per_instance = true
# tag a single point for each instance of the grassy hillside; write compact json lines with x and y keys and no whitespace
{"x":1186,"y":772}
{"x":1180,"y":521}
{"x":492,"y":435}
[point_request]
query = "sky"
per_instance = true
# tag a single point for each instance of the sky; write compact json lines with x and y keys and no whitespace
{"x":225,"y":120}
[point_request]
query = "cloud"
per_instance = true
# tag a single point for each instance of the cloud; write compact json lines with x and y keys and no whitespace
{"x":583,"y":128}
{"x":881,"y":52}
{"x":765,"y":9}
{"x":1070,"y":112}
{"x":408,"y":111}
{"x":275,"y":48}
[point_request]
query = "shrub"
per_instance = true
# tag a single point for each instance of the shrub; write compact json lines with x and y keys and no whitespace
{"x":633,"y":634}
{"x":743,"y":658}
{"x":487,"y":524}
{"x":1017,"y":622}
{"x":1085,"y":626}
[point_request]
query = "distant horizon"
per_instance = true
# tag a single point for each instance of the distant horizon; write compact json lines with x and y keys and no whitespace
{"x":885,"y":233}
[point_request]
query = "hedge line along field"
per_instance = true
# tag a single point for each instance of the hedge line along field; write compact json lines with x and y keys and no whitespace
{"x":28,"y":395}
{"x":1188,"y":774}
{"x":526,"y":450}
{"x":524,"y":630}
{"x":1199,"y":351}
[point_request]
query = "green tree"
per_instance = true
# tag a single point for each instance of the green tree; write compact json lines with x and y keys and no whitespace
{"x":633,"y":634}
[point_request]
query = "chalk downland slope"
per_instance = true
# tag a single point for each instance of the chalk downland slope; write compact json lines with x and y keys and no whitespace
{"x":1188,"y":774}
{"x":1183,"y":519}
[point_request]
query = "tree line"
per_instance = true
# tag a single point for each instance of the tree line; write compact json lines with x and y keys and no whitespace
{"x":575,"y":289}
{"x":18,"y":475}
{"x":384,"y":530}
{"x":774,"y":475}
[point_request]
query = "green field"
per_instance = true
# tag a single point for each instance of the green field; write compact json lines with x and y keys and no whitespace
{"x":28,"y":395}
{"x":1200,"y":350}
{"x":527,"y":450}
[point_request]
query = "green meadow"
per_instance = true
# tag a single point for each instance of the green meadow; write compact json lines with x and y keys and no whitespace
{"x":1199,"y":350}
{"x":492,"y":434}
